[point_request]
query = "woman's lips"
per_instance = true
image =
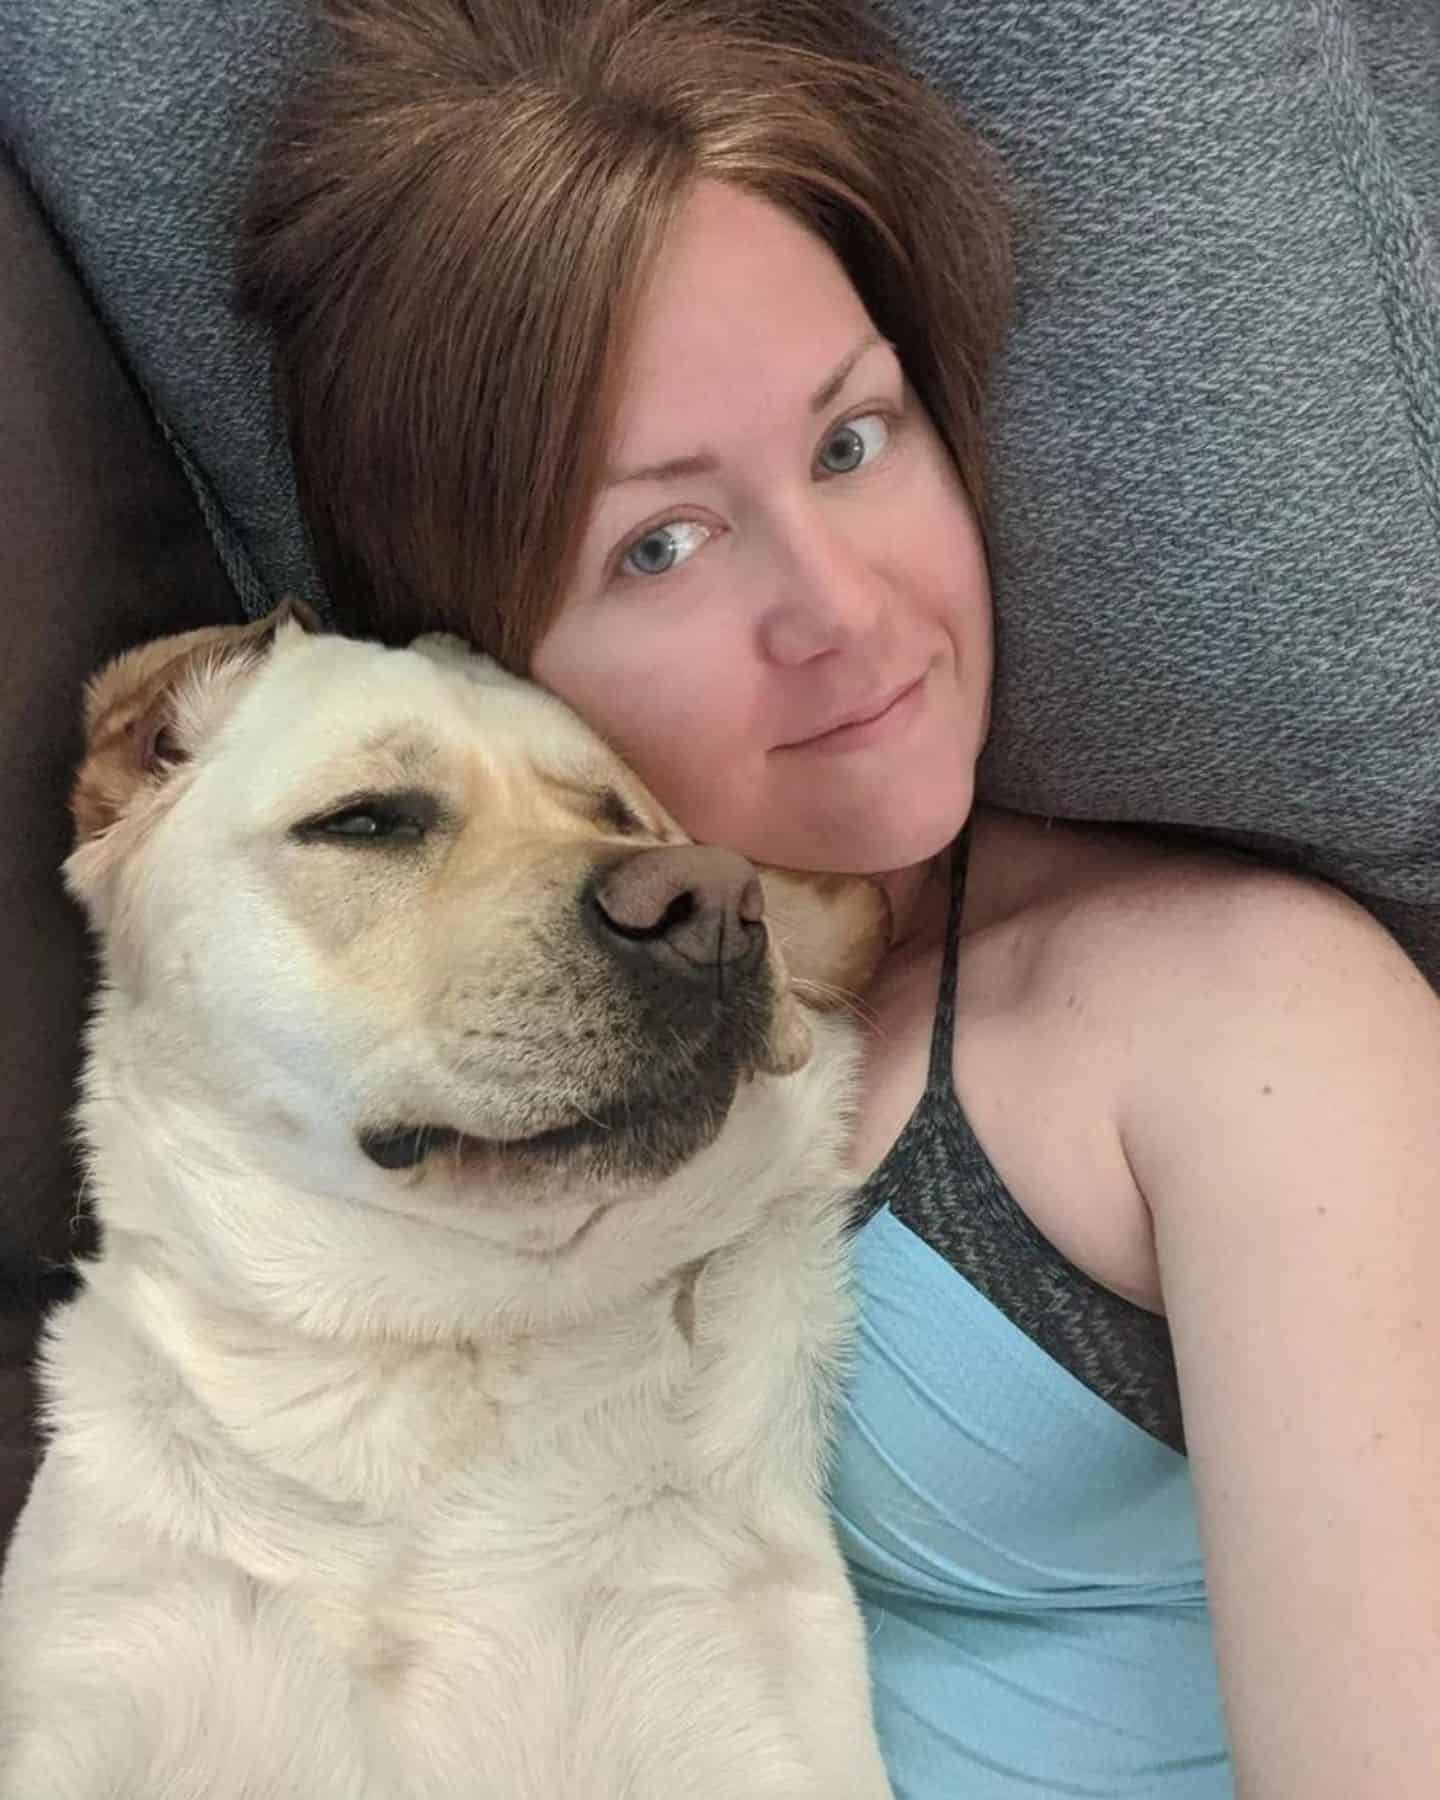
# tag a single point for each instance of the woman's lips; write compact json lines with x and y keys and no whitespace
{"x":869,"y":723}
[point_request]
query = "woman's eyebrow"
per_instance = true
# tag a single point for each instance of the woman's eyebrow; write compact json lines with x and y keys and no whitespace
{"x":833,"y":383}
{"x":704,"y":462}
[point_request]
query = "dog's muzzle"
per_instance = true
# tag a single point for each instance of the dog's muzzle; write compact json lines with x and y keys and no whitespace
{"x":681,"y":930}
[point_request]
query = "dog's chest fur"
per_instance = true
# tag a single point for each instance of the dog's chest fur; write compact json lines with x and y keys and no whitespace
{"x":441,"y":1544}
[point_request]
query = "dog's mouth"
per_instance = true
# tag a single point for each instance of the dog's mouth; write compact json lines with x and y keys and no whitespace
{"x":642,"y":1136}
{"x":639,"y":1115}
{"x":407,"y":1146}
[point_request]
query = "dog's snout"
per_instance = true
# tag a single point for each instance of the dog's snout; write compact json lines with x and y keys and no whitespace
{"x":700,"y":906}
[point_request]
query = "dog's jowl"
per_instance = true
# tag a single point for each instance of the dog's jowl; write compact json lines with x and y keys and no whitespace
{"x":445,"y":1415}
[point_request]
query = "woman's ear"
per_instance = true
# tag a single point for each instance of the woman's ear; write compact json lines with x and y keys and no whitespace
{"x":148,"y":712}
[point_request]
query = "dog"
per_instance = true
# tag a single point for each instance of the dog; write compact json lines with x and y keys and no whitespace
{"x":446,"y":1411}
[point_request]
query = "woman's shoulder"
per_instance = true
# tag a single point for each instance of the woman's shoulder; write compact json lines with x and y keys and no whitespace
{"x":1089,"y":965}
{"x":1124,"y":967}
{"x":1142,"y":1017}
{"x":1128,"y":907}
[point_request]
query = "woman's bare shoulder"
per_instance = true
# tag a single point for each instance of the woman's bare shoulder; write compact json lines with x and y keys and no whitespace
{"x":1106,"y":978}
{"x":1144,"y":906}
{"x":1129,"y":953}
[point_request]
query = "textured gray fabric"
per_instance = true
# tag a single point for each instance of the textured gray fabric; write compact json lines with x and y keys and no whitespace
{"x":940,"y":1184}
{"x":1217,"y":528}
{"x":137,"y":123}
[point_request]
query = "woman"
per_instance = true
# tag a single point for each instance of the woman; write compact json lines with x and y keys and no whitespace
{"x":646,"y":343}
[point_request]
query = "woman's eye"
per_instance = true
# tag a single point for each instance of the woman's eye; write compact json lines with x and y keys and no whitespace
{"x":664,"y":548}
{"x":856,"y":442}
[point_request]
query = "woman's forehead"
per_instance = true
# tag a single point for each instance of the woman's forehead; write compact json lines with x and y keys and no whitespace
{"x":730,"y":266}
{"x":744,"y":305}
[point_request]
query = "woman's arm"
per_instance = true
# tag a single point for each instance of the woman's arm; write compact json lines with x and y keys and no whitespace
{"x":1284,"y":1126}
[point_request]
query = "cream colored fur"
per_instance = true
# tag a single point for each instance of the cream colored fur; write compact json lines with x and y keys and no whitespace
{"x":481,"y":1479}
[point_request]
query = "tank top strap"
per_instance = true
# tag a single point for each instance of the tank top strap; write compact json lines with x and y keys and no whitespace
{"x":939,"y":1183}
{"x":941,"y":1078}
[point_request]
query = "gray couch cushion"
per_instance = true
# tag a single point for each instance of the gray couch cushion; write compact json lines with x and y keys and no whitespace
{"x":137,"y":122}
{"x":1217,"y":535}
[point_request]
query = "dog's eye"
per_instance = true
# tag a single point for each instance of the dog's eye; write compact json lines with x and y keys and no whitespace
{"x":369,"y":822}
{"x":374,"y":819}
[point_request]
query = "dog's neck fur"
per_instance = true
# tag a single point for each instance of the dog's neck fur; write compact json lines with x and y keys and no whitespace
{"x":319,"y":1372}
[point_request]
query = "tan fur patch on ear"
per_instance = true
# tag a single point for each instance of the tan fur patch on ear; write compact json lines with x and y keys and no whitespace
{"x":131,"y":711}
{"x":831,"y":932}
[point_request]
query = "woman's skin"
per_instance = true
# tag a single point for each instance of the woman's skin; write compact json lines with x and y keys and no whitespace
{"x":1212,"y":1087}
{"x":801,"y":590}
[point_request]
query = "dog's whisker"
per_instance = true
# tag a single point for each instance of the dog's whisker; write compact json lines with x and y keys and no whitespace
{"x":845,"y":998}
{"x":83,"y":1209}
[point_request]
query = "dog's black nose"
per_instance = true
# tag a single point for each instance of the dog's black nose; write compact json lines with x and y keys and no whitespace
{"x":694,"y":908}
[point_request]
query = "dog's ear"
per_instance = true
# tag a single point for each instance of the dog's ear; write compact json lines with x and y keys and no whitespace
{"x":147,"y":712}
{"x":832,"y":932}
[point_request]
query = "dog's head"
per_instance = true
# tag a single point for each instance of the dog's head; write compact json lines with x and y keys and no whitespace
{"x":408,"y":929}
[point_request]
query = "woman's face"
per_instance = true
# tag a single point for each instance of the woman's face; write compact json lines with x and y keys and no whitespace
{"x":780,"y":616}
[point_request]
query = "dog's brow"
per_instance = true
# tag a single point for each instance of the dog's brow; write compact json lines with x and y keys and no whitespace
{"x":587,"y":793}
{"x":401,"y":746}
{"x":599,"y":800}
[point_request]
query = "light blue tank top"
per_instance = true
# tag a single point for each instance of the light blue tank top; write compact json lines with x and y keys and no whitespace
{"x":1022,"y":1538}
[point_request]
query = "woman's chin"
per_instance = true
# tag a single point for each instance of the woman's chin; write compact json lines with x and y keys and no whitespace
{"x":879,"y":843}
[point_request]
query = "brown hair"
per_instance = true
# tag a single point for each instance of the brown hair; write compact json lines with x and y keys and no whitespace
{"x":453,"y":222}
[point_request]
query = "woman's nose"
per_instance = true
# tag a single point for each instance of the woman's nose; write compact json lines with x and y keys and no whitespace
{"x":824,"y":594}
